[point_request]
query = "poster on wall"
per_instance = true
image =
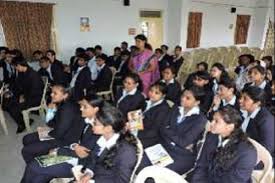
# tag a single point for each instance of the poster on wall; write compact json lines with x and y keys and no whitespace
{"x":132,"y":31}
{"x":85,"y":24}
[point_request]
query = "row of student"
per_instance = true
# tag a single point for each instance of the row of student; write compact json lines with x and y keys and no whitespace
{"x":178,"y":130}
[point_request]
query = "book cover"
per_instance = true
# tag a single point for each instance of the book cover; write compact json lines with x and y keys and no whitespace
{"x":49,"y":160}
{"x":136,"y":120}
{"x":158,"y":155}
{"x":43,"y":133}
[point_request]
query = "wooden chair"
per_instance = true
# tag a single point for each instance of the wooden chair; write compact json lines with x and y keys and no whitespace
{"x":41,"y":108}
{"x":109,"y":92}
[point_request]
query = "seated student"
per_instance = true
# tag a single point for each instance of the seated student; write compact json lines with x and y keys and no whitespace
{"x":104,"y":76}
{"x":73,"y":60}
{"x":34,"y":62}
{"x":163,"y":62}
{"x":114,"y":60}
{"x":9,"y":71}
{"x":227,"y":155}
{"x":173,"y":86}
{"x":81,"y":80}
{"x":3,"y":52}
{"x":98,"y":51}
{"x":257,"y":76}
{"x":26,"y":92}
{"x":165,"y":49}
{"x":183,"y":129}
{"x":130,"y":97}
{"x":124,"y":46}
{"x":65,"y":121}
{"x":177,"y":59}
{"x":227,"y":95}
{"x":217,"y":73}
{"x":90,"y":105}
{"x":123,"y":69}
{"x":90,"y":51}
{"x":202,"y":66}
{"x":52,"y":56}
{"x":54,"y":73}
{"x":258,"y":121}
{"x":202,"y":79}
{"x":155,"y":114}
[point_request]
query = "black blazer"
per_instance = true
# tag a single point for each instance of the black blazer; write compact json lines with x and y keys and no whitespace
{"x":152,"y":121}
{"x":73,"y":64}
{"x":174,"y":92}
{"x":239,"y":170}
{"x":8,"y":79}
{"x":57,"y":74}
{"x":124,"y":162}
{"x":83,"y":81}
{"x":112,"y":62}
{"x":176,"y":64}
{"x":164,"y":62}
{"x":180,"y":140}
{"x":30,"y":85}
{"x":189,"y":81}
{"x":124,"y":70}
{"x":103,"y":80}
{"x":130,"y":102}
{"x":261,"y":129}
{"x":207,"y":100}
{"x":67,"y":124}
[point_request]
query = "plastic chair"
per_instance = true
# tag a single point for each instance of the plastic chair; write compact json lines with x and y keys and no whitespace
{"x":140,"y":152}
{"x":160,"y":175}
{"x":261,"y":176}
{"x":110,"y":91}
{"x":2,"y":116}
{"x":41,"y":108}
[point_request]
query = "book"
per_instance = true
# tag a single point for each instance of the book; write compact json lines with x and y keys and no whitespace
{"x":49,"y":160}
{"x":158,"y":155}
{"x":43,"y":133}
{"x":136,"y":120}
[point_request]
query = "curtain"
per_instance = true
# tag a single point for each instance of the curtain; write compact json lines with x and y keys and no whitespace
{"x":27,"y":26}
{"x":241,"y":31}
{"x":194,"y":29}
{"x":2,"y":36}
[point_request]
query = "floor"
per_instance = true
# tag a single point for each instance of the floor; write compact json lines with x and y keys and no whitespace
{"x":11,"y":162}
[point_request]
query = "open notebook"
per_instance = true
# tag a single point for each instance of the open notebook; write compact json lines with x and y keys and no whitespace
{"x":158,"y":155}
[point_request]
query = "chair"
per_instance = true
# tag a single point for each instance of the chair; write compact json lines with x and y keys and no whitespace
{"x":160,"y":175}
{"x":110,"y":91}
{"x":2,"y":116}
{"x":261,"y":176}
{"x":41,"y":108}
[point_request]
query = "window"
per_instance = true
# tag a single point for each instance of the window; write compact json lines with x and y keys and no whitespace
{"x":194,"y":29}
{"x":241,"y":31}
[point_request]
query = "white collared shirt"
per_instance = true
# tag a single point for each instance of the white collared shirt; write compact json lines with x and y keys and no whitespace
{"x":99,"y":68}
{"x":262,"y":85}
{"x":93,"y":68}
{"x":193,"y":111}
{"x":150,"y":104}
{"x":215,"y":86}
{"x":103,"y":143}
{"x":247,"y":118}
{"x":124,"y":94}
{"x":50,"y":71}
{"x":231,"y":102}
{"x":172,"y":81}
{"x":75,"y":76}
{"x":221,"y":142}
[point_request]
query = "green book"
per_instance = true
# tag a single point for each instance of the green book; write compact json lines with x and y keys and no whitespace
{"x":49,"y":160}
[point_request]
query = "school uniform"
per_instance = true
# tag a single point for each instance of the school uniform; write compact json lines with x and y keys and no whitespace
{"x":259,"y":125}
{"x":189,"y":81}
{"x":267,"y":88}
{"x":114,"y":61}
{"x":130,"y":101}
{"x":239,"y":169}
{"x":179,"y":138}
{"x":30,"y":85}
{"x":67,"y":128}
{"x":81,"y":81}
{"x":207,"y":100}
{"x":155,"y":114}
{"x":9,"y":73}
{"x":164,"y":61}
{"x":176,"y":62}
{"x":54,"y":74}
{"x":93,"y":68}
{"x":104,"y":79}
{"x":173,"y":91}
{"x":73,"y":64}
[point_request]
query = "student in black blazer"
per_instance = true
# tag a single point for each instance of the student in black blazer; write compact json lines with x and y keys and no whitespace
{"x":90,"y":105}
{"x":73,"y":60}
{"x":227,"y":95}
{"x":173,"y":86}
{"x":184,"y":127}
{"x":202,"y":79}
{"x":258,"y":121}
{"x":202,"y":66}
{"x":130,"y":97}
{"x":27,"y":92}
{"x":155,"y":114}
{"x":163,"y":60}
{"x":81,"y":80}
{"x":258,"y":78}
{"x":115,"y":60}
{"x":104,"y":77}
{"x":54,"y":73}
{"x":66,"y":123}
{"x":9,"y":71}
{"x":227,"y":155}
{"x":52,"y":56}
{"x":177,"y":59}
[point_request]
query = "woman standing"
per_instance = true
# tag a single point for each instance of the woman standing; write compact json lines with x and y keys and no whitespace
{"x":145,"y":63}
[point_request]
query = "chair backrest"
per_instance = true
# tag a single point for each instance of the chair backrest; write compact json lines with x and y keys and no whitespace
{"x":43,"y":99}
{"x":140,"y":152}
{"x":263,"y":156}
{"x":2,"y":91}
{"x":113,"y":69}
{"x":160,"y":175}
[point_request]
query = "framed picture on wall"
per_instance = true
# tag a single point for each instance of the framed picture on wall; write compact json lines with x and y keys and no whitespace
{"x":85,"y":24}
